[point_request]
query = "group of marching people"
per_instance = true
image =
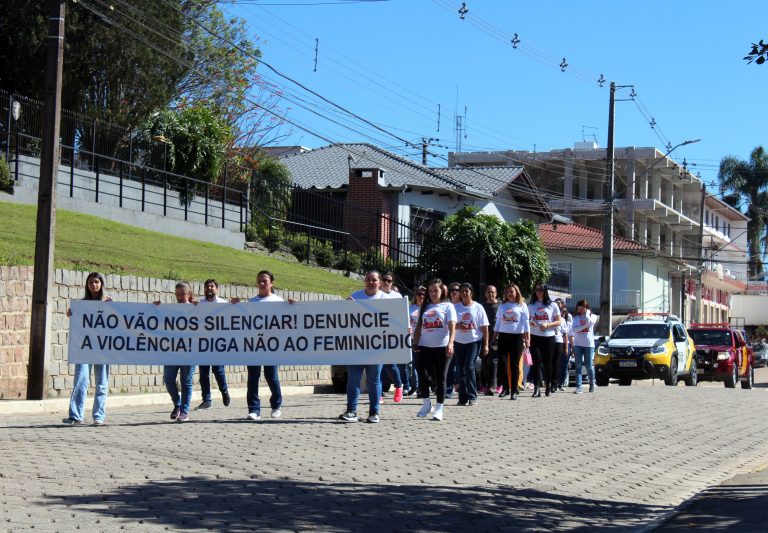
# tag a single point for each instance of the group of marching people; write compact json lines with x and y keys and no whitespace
{"x":451,"y":332}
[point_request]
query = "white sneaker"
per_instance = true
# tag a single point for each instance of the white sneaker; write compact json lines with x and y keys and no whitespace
{"x":578,"y":390}
{"x":276,"y":413}
{"x":253,"y":416}
{"x":425,"y":409}
{"x":438,"y":414}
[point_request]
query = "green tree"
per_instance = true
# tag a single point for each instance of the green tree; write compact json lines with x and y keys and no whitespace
{"x":472,"y":246}
{"x":196,"y":138}
{"x":108,"y":75}
{"x":746,"y":183}
{"x":758,"y":53}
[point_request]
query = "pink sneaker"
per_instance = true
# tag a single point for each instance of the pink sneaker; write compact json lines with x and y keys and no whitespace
{"x":482,"y":390}
{"x":381,"y":400}
{"x":499,"y":389}
{"x":398,"y":394}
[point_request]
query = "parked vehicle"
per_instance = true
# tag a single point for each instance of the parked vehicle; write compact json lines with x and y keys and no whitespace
{"x":760,"y":350}
{"x":722,"y":355}
{"x":646,"y":346}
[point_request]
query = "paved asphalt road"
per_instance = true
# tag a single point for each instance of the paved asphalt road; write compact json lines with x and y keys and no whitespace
{"x":622,"y":459}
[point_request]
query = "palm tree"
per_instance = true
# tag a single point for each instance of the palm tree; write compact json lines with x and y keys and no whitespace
{"x":746,"y":182}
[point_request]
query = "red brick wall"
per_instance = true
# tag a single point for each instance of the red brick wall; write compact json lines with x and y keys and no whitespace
{"x":367,"y":208}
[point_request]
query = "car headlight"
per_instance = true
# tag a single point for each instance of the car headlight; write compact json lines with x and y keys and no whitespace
{"x":603,"y":350}
{"x":723,"y":356}
{"x":658,"y":349}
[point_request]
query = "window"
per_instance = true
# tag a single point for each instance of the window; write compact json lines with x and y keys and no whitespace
{"x":561,"y":276}
{"x":706,"y":217}
{"x":422,"y":220}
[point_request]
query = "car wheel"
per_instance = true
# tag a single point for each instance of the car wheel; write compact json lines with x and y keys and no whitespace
{"x":730,"y":381}
{"x":625,"y":382}
{"x":602,"y":381}
{"x":671,"y":379}
{"x":750,"y":381}
{"x":692,"y":379}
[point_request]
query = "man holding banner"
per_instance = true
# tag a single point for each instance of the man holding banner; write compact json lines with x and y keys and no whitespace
{"x":372,"y":371}
{"x":212,"y":297}
{"x":264,"y":279}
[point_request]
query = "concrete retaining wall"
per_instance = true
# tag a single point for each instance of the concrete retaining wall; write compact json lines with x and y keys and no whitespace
{"x":15,"y":308}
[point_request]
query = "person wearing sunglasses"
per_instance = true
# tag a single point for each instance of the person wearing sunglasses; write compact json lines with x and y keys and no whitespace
{"x":544,"y":320}
{"x":417,"y":372}
{"x":452,"y":378}
{"x":471,"y":341}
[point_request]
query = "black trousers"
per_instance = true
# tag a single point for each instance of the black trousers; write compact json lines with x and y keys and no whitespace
{"x":510,"y":350}
{"x":434,"y":362}
{"x":544,"y":363}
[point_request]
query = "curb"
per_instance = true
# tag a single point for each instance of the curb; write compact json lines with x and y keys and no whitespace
{"x":61,"y":405}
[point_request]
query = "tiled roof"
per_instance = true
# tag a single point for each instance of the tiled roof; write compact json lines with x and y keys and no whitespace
{"x":486,"y":179}
{"x":328,"y":167}
{"x":578,"y":237}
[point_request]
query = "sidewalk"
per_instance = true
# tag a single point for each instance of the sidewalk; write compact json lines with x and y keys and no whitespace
{"x":739,"y":504}
{"x":61,"y":405}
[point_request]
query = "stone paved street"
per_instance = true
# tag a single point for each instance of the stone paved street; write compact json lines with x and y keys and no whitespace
{"x":620,"y":459}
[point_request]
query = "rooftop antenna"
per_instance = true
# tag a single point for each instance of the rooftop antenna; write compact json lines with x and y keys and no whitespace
{"x":584,"y":134}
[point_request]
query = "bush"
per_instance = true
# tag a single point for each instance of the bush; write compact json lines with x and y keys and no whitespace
{"x":351,"y":262}
{"x":375,"y":260}
{"x":324,"y":253}
{"x":6,"y":182}
{"x":297,"y":243}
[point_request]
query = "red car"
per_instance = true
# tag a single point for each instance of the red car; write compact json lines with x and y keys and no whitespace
{"x":722,"y":354}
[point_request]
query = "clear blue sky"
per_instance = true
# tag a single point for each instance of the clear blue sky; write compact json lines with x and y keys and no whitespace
{"x":393,"y":62}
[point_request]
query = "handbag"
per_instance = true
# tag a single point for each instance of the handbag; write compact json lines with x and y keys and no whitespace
{"x":527,"y":359}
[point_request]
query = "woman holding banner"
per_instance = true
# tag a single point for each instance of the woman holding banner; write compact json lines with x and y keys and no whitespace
{"x":433,"y":343}
{"x":94,"y":290}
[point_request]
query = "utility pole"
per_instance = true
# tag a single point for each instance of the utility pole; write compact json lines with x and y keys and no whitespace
{"x":46,"y":204}
{"x":696,"y":315}
{"x":424,"y":145}
{"x":606,"y":271}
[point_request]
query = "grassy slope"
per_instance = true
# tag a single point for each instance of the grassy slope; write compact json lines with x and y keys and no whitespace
{"x":84,"y":242}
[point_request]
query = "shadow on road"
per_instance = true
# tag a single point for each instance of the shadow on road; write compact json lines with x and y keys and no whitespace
{"x":742,"y":508}
{"x":256,"y":504}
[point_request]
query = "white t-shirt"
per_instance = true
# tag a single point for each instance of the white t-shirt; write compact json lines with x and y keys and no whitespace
{"x":216,"y":301}
{"x":543,"y":313}
{"x":563,"y":330}
{"x":469,"y":321}
{"x":362,"y":295}
{"x":270,"y":298}
{"x":391,"y":294}
{"x":413,"y":315}
{"x":583,"y":330}
{"x":434,"y":324}
{"x":512,"y":317}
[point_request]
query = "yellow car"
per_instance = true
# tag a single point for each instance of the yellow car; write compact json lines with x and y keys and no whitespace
{"x":646,"y":346}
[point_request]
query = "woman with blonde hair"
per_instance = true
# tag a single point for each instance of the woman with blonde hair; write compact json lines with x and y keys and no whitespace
{"x":512,"y":330}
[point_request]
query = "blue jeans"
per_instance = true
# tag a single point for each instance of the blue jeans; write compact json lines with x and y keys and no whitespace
{"x":169,"y":378}
{"x":562,"y":365}
{"x":205,"y":380}
{"x":584,"y":355}
{"x":373,"y":377}
{"x":80,"y":391}
{"x":273,"y":380}
{"x":452,"y":377}
{"x":394,"y":373}
{"x":466,"y":355}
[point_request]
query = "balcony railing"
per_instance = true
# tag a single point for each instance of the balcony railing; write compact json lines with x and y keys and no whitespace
{"x":622,"y":300}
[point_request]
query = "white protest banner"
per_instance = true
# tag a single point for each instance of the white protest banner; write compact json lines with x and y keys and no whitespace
{"x":274,"y":333}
